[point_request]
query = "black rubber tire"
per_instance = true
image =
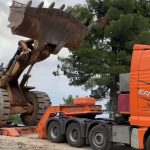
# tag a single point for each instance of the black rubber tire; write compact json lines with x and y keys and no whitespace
{"x":4,"y":107}
{"x":103,"y":143}
{"x":39,"y":100}
{"x":77,"y":141}
{"x":148,"y":143}
{"x":54,"y":132}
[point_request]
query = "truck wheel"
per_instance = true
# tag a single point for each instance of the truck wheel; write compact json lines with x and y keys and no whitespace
{"x":73,"y":135}
{"x":39,"y":101}
{"x":4,"y":107}
{"x":148,"y":143}
{"x":54,"y":132}
{"x":99,"y":138}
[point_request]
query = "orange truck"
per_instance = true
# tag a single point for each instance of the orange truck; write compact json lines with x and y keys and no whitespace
{"x":77,"y":123}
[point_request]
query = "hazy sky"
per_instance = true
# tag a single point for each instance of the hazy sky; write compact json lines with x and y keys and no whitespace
{"x":42,"y":78}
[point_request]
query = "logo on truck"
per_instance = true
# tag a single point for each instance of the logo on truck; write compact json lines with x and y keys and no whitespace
{"x":144,"y":94}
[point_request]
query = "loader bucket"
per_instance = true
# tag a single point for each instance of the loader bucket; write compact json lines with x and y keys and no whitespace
{"x":47,"y":25}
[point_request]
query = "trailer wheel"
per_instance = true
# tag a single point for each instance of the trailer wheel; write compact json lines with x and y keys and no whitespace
{"x":148,"y":143}
{"x":99,"y":138}
{"x":54,"y":132}
{"x":73,"y":135}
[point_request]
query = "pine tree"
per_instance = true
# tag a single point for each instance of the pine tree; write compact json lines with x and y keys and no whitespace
{"x":107,"y":50}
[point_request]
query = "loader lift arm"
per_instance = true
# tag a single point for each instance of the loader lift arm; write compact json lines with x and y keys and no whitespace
{"x":50,"y":29}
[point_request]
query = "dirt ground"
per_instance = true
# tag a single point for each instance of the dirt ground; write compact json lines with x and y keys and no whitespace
{"x":32,"y":142}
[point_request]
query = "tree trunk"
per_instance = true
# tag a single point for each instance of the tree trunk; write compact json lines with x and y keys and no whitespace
{"x":113,"y":100}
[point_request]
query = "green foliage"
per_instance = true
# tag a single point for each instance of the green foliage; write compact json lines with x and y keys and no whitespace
{"x":144,"y":37}
{"x":69,"y":100}
{"x":12,"y":118}
{"x":113,"y":13}
{"x":107,"y":49}
{"x":108,"y":106}
{"x":15,"y":119}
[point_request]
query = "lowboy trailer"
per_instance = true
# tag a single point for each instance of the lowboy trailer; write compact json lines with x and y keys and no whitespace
{"x":77,"y":123}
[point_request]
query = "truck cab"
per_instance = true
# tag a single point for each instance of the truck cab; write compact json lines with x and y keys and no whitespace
{"x":134,"y":99}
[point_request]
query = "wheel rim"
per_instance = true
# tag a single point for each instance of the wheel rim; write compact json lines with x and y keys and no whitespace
{"x":74,"y":135}
{"x":30,"y":119}
{"x":98,"y":139}
{"x":54,"y":132}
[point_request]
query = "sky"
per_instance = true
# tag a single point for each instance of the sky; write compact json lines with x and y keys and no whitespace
{"x":42,"y":78}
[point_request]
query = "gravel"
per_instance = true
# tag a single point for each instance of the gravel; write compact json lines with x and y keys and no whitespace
{"x":32,"y":142}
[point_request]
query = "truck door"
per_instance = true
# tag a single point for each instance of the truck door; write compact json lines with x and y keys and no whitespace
{"x":144,"y":89}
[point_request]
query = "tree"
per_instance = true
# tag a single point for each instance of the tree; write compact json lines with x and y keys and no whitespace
{"x":69,"y":100}
{"x":107,"y":50}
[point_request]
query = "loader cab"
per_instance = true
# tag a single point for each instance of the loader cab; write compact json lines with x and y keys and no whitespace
{"x":140,"y":86}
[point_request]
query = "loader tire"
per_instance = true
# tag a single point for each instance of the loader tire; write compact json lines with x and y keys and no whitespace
{"x":4,"y":107}
{"x":39,"y":100}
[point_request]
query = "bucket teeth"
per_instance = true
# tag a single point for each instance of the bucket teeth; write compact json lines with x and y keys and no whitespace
{"x":29,"y":3}
{"x":52,"y":5}
{"x":62,"y":7}
{"x":41,"y":5}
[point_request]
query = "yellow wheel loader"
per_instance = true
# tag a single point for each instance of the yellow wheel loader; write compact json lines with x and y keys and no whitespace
{"x":48,"y":30}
